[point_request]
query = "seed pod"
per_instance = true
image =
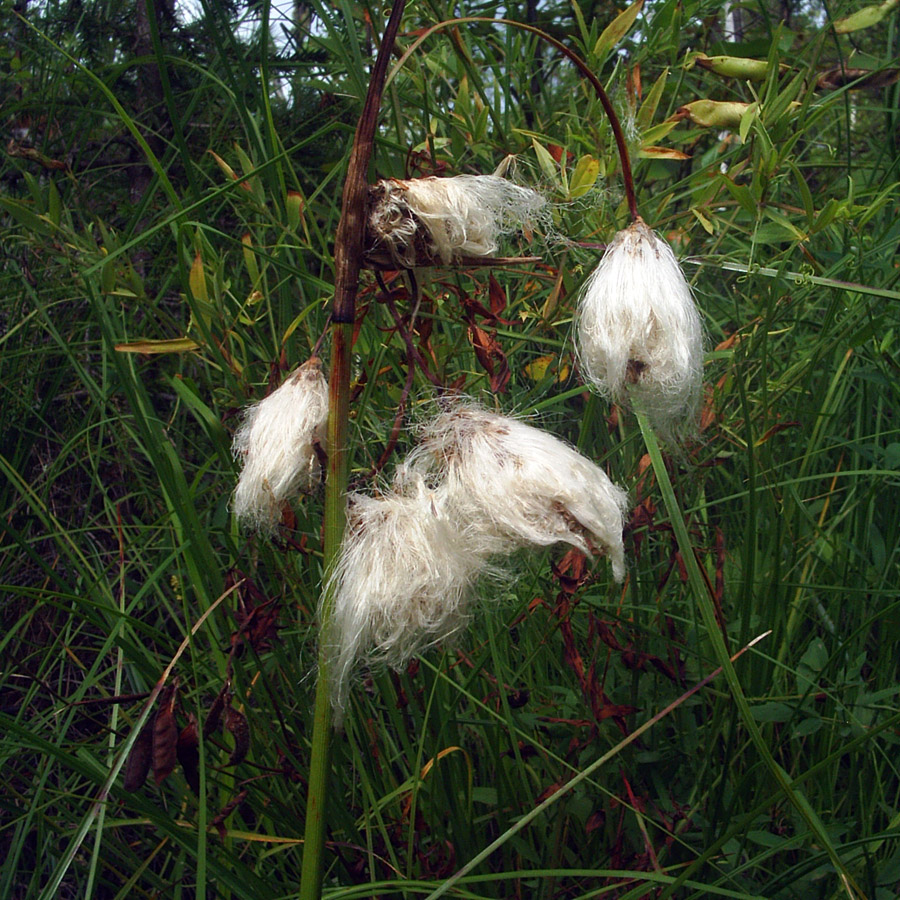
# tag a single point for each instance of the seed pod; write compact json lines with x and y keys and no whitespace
{"x":734,"y":66}
{"x":639,"y":333}
{"x":715,"y":113}
{"x":445,"y":218}
{"x":165,"y":735}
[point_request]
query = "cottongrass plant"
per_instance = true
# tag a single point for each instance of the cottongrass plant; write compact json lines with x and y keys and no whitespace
{"x":465,"y":215}
{"x":478,"y":487}
{"x":518,"y":485}
{"x":402,"y":583}
{"x":639,"y":333}
{"x":277,"y":445}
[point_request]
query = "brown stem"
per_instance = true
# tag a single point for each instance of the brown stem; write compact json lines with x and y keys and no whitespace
{"x":347,"y":258}
{"x":581,"y":65}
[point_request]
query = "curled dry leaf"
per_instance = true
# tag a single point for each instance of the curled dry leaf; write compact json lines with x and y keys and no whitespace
{"x":165,"y":735}
{"x":856,"y":79}
{"x":236,"y":724}
{"x":188,"y":753}
{"x":137,"y":768}
{"x":214,"y":716}
{"x":219,"y":821}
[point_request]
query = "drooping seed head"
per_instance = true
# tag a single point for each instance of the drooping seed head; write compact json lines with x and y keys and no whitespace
{"x":402,"y":582}
{"x":518,"y":486}
{"x":639,"y":331}
{"x":465,"y":215}
{"x":276,"y":444}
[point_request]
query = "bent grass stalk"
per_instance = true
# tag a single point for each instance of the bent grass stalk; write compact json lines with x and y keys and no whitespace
{"x":700,"y":589}
{"x":585,"y":773}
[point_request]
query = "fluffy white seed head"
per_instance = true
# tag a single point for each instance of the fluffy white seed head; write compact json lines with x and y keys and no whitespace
{"x":517,"y":485}
{"x":465,"y":215}
{"x":639,"y":331}
{"x":276,"y":442}
{"x":402,"y":581}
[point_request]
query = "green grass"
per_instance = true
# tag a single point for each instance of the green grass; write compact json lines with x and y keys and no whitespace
{"x":778,"y":779}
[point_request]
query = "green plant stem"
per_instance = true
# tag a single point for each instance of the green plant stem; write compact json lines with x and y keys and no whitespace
{"x":583,"y":68}
{"x":347,"y":256}
{"x":700,"y":589}
{"x":582,"y":776}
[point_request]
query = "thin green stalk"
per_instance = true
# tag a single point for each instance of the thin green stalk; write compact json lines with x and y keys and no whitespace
{"x":708,"y":614}
{"x":583,"y":775}
{"x":347,"y":255}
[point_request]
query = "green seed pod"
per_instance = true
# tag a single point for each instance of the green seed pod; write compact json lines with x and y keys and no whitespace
{"x":734,"y":66}
{"x":715,"y":113}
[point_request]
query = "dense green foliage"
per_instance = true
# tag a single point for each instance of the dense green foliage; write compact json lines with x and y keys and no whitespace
{"x":173,"y":181}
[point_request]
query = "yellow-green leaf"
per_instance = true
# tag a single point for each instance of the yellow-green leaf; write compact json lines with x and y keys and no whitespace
{"x":538,"y":369}
{"x":651,"y":102}
{"x":662,"y":153}
{"x":197,"y":280}
{"x":584,"y":176}
{"x":546,"y":161}
{"x":223,"y":165}
{"x":658,"y":132}
{"x":617,"y":29}
{"x":708,"y":226}
{"x":250,"y":258}
{"x":173,"y":345}
{"x":747,"y":118}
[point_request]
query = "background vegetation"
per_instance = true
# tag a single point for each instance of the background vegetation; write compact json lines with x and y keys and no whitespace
{"x":172,"y":176}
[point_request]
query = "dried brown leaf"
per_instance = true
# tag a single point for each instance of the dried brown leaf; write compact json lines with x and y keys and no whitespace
{"x":165,"y":735}
{"x":236,"y":724}
{"x":137,"y":767}
{"x":188,"y":752}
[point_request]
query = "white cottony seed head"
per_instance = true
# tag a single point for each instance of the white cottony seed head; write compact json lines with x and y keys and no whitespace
{"x":464,"y":215}
{"x":639,"y":331}
{"x":517,"y":486}
{"x":276,"y":442}
{"x":401,"y":584}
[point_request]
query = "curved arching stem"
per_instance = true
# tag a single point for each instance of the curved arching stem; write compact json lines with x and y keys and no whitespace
{"x":579,"y":64}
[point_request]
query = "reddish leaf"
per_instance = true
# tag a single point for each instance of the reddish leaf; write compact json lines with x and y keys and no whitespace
{"x":165,"y":735}
{"x":137,"y":767}
{"x":491,"y":357}
{"x":548,"y":792}
{"x":236,"y":723}
{"x":214,"y":716}
{"x":188,"y":752}
{"x":498,"y":297}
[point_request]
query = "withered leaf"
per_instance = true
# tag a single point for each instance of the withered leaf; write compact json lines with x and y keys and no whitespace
{"x":856,"y":79}
{"x":236,"y":723}
{"x":497,"y":296}
{"x":188,"y":752}
{"x":219,"y":821}
{"x":214,"y":716}
{"x":165,"y":735}
{"x":491,"y":357}
{"x":137,"y":767}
